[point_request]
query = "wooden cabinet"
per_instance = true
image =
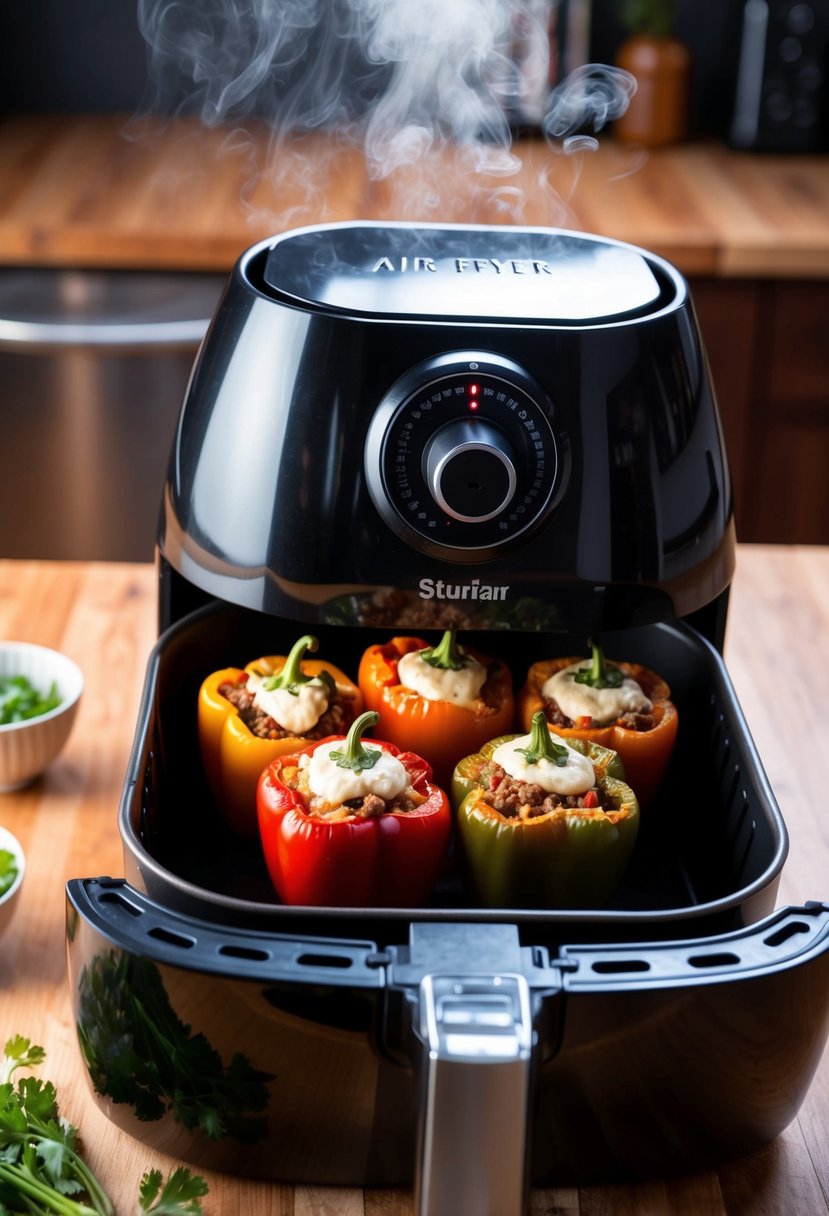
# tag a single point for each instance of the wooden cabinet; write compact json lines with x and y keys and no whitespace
{"x":768,"y":345}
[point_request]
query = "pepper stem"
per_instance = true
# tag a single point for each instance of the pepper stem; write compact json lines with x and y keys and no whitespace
{"x":291,"y":676}
{"x":600,"y":674}
{"x":447,"y":654}
{"x":542,"y":746}
{"x":354,"y":755}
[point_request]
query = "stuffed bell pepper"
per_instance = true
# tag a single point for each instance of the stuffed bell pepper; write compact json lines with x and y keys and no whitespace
{"x":543,"y":822}
{"x":348,"y":823}
{"x":623,"y":706}
{"x":275,"y":706}
{"x":440,"y":701}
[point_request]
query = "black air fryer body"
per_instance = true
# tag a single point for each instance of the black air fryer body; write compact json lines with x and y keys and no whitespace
{"x":392,"y":428}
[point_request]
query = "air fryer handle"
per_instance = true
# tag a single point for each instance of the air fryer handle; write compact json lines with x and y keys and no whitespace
{"x":476,"y":1034}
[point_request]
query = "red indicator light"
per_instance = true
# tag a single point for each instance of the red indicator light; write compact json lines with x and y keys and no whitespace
{"x":473,"y":390}
{"x":473,"y":405}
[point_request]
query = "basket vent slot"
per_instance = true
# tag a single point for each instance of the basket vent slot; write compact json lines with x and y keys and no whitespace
{"x":250,"y":953}
{"x":723,"y":959}
{"x":118,"y":901}
{"x":324,"y":960}
{"x":618,"y":966}
{"x":785,"y":933}
{"x":170,"y":938}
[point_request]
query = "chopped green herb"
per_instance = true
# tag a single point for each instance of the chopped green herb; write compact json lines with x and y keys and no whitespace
{"x":20,"y":700}
{"x":8,"y":870}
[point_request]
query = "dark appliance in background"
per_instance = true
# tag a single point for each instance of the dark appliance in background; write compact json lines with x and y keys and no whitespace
{"x":391,"y":429}
{"x":758,"y":68}
{"x":781,"y":94}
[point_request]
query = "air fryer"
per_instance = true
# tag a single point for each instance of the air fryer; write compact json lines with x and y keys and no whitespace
{"x":401,"y":429}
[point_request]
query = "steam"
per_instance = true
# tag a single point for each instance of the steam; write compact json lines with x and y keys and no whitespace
{"x":425,"y":91}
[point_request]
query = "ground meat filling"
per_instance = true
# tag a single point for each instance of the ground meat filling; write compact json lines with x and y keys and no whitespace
{"x":633,"y":721}
{"x":335,"y":721}
{"x":370,"y":806}
{"x":514,"y":799}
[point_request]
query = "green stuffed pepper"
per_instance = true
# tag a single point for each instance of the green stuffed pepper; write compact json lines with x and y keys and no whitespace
{"x":544,"y":822}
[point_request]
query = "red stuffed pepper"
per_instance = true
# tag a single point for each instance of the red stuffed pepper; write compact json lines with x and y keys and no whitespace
{"x":347,"y":823}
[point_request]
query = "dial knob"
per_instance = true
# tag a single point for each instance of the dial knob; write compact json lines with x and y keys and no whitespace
{"x":461,"y":458}
{"x":469,"y":467}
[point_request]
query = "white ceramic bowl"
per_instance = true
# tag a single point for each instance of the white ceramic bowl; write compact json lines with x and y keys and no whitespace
{"x":12,"y":845}
{"x":27,"y":748}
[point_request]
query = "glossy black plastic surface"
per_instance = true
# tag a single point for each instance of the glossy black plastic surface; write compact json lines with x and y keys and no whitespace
{"x":655,"y":1057}
{"x":267,"y":504}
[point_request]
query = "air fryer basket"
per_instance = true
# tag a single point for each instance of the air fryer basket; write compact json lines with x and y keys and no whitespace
{"x":710,"y":850}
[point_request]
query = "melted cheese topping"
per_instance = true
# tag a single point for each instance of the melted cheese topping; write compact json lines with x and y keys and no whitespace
{"x":461,"y":687}
{"x":386,"y":778}
{"x":575,"y":777}
{"x":603,"y":705}
{"x":298,"y":711}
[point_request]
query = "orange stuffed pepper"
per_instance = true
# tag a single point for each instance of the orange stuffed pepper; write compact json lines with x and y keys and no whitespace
{"x":276,"y":705}
{"x":623,"y":706}
{"x":441,"y":702}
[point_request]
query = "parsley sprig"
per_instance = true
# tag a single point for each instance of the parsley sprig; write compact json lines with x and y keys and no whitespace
{"x":41,"y":1169}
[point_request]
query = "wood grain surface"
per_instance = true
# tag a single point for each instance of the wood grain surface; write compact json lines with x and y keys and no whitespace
{"x":103,"y":616}
{"x":107,"y":190}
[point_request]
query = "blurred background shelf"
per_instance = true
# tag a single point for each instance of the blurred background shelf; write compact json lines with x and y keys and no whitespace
{"x":100,"y":193}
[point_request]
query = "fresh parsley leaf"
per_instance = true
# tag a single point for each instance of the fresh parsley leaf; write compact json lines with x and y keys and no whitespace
{"x":181,"y":1192}
{"x":364,"y":759}
{"x":20,"y":1053}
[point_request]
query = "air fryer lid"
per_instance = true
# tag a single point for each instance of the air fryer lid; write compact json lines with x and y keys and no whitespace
{"x":396,"y":270}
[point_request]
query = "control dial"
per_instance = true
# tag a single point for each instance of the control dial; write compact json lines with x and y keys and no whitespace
{"x":470,"y":470}
{"x":461,"y":456}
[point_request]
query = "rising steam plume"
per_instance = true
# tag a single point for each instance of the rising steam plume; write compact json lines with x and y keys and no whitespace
{"x":407,"y":81}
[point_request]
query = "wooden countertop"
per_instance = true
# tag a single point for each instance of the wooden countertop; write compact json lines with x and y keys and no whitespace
{"x":102,"y":191}
{"x":103,"y":616}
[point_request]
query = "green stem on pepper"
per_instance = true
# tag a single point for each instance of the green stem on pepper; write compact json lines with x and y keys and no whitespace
{"x":447,"y":654}
{"x":542,"y":746}
{"x":354,"y":755}
{"x":600,"y":674}
{"x":291,"y":676}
